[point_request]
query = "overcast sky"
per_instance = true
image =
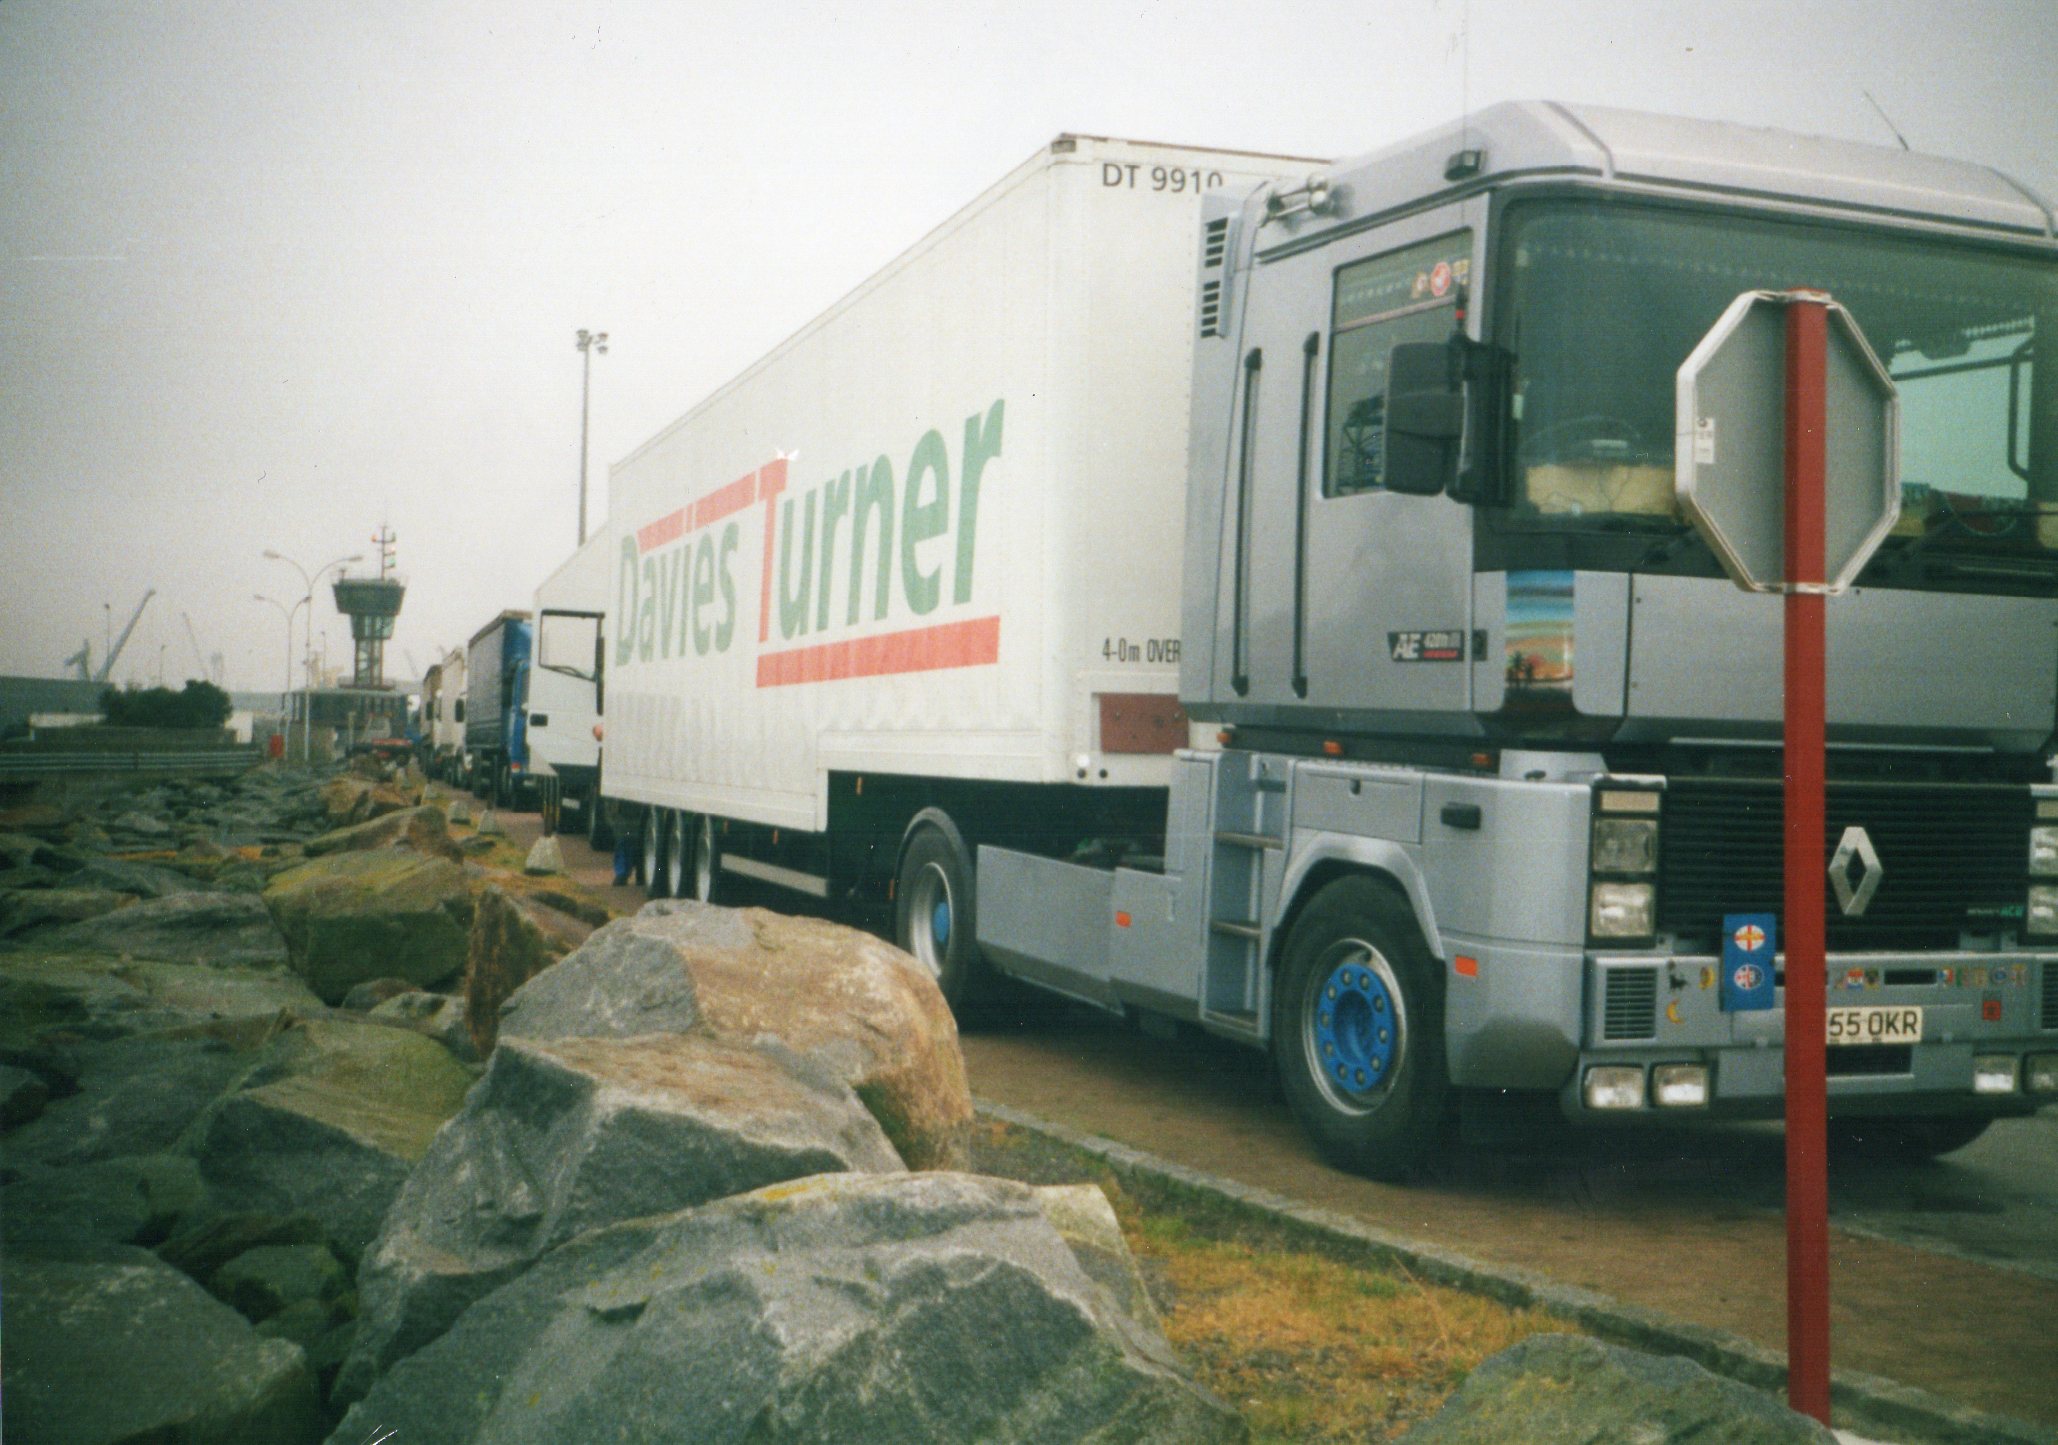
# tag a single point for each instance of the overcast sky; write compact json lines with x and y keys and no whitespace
{"x":273,"y":272}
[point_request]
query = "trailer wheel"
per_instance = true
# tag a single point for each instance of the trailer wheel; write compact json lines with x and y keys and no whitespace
{"x":1357,"y":1031}
{"x":678,"y":848}
{"x":654,"y":831}
{"x":706,"y":879}
{"x":934,"y":910}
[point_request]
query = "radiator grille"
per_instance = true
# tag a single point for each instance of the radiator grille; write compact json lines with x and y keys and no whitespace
{"x":2050,"y":995}
{"x":1215,"y":242}
{"x":1953,"y":856}
{"x":1629,"y":1003}
{"x":1211,"y":308}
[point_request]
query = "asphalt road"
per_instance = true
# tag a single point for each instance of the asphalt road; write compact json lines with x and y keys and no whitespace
{"x":1944,"y":1274}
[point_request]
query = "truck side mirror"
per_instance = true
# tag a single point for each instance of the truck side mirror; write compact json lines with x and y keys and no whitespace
{"x":1425,"y":417}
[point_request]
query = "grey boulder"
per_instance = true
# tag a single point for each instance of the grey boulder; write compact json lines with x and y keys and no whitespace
{"x":329,"y":1120}
{"x":1570,"y":1390}
{"x":223,"y":929}
{"x":565,"y":1136}
{"x":910,"y":1307}
{"x":115,"y":1346}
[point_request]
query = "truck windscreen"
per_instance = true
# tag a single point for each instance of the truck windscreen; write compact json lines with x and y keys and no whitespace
{"x":1599,"y":303}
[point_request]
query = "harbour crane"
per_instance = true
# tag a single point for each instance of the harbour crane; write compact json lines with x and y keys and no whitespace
{"x":82,"y":659}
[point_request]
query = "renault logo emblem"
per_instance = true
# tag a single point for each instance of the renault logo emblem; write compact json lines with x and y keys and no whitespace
{"x":1856,"y":845}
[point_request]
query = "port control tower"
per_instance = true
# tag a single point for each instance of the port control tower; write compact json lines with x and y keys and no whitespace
{"x":371,"y":604}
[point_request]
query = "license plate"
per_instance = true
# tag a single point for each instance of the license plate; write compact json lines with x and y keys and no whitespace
{"x":1875,"y":1024}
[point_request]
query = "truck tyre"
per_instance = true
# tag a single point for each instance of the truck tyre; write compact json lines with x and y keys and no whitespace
{"x":654,"y":831}
{"x":678,"y":854}
{"x":503,"y":786}
{"x":598,"y":834}
{"x":705,"y":881}
{"x":549,"y":804}
{"x":934,"y":911}
{"x":1357,"y":1031}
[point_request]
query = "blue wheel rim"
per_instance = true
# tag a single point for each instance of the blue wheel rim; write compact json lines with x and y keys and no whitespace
{"x":939,"y":922}
{"x":1356,"y":1029}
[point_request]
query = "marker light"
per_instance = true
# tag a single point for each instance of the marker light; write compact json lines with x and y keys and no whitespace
{"x":1612,"y":1086}
{"x":2040,"y":1073}
{"x":1680,"y":1086}
{"x":1993,"y":1073}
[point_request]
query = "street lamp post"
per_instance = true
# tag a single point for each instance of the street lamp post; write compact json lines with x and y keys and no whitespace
{"x":286,"y":682}
{"x":588,"y":342}
{"x":306,"y":702}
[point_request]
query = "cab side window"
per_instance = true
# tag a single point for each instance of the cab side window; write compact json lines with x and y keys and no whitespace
{"x":1405,"y":295}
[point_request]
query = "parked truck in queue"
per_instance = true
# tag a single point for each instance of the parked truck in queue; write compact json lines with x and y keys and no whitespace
{"x":445,"y":720}
{"x":562,"y":709}
{"x":498,"y":663}
{"x":1261,"y":601}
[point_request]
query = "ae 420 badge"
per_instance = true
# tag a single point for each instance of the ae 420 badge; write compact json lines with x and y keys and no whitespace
{"x":1445,"y":646}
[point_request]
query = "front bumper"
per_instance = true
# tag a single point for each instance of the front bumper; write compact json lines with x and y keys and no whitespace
{"x":1642,"y":1011}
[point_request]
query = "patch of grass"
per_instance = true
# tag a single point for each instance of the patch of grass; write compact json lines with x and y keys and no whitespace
{"x":1313,"y":1339}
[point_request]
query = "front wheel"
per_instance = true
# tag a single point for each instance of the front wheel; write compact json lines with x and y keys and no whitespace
{"x":598,"y":834}
{"x":1357,"y":1031}
{"x":934,"y":907}
{"x":550,"y":804}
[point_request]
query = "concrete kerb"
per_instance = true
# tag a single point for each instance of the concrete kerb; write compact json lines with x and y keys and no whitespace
{"x":1866,"y":1403}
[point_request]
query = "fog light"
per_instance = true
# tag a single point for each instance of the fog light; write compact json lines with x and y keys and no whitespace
{"x":1993,"y":1073}
{"x":1614,"y":1087}
{"x":1680,"y":1086}
{"x":2040,"y":1073}
{"x":1629,"y":910}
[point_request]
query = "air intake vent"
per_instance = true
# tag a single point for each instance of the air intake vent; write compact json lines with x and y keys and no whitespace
{"x":1629,"y":1005}
{"x":1211,"y":308}
{"x":1215,"y":242}
{"x":2050,"y":995}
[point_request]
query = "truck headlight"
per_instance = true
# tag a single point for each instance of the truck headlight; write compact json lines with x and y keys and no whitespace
{"x":1680,"y":1086}
{"x":2043,"y":852}
{"x":2040,"y":1073}
{"x":2040,"y":917}
{"x":1630,"y":910}
{"x":1614,"y":1086}
{"x":1629,"y":845}
{"x":1993,"y":1074}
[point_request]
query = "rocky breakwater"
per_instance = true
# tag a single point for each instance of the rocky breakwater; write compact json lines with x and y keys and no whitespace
{"x":707,"y":1183}
{"x":198,"y":1146}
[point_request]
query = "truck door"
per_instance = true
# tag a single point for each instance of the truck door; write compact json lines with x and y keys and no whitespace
{"x":1359,"y":599}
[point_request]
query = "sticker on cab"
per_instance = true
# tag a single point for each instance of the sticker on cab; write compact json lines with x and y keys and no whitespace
{"x":1749,"y":943}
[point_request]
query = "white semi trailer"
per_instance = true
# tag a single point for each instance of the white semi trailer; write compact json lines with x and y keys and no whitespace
{"x":1216,"y":589}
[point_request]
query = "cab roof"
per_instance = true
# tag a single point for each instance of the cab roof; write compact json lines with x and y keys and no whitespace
{"x":1542,"y":139}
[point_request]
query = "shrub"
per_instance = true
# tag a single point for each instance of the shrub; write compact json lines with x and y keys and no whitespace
{"x":197,"y":705}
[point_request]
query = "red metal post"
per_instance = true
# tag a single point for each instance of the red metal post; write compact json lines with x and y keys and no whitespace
{"x":1807,"y":1109}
